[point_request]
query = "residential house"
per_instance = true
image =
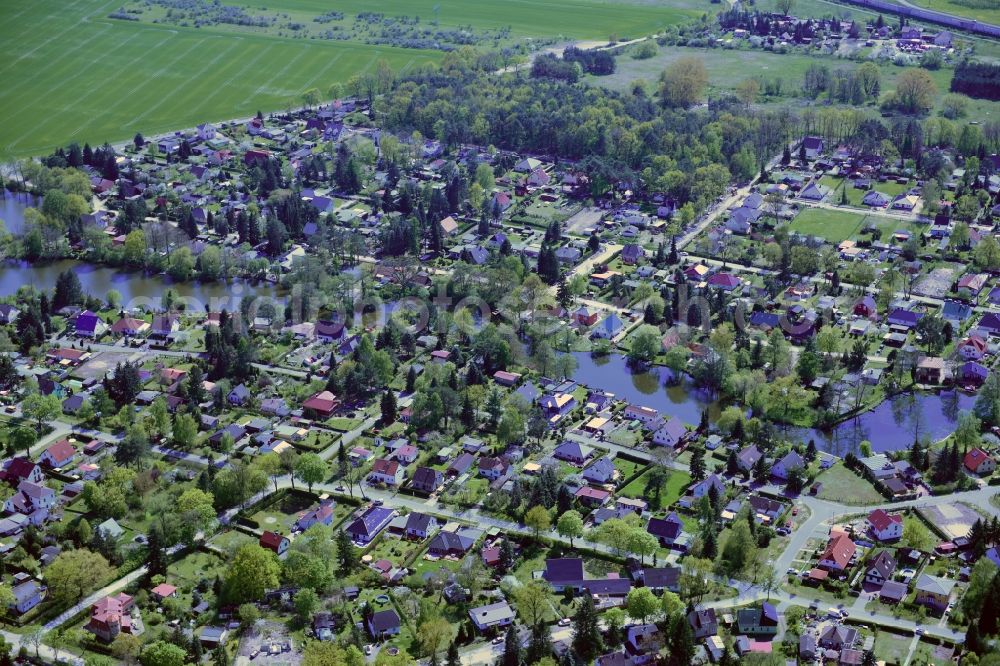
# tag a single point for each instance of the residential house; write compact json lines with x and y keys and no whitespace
{"x":814,"y":192}
{"x":370,"y":523}
{"x":418,"y":525}
{"x":903,"y":318}
{"x":324,"y":627}
{"x":813,"y":147}
{"x":601,"y":472}
{"x":972,"y":348}
{"x":27,"y":594}
{"x":934,"y":592}
{"x":644,"y":639}
{"x":839,"y":551}
{"x":586,"y":317}
{"x":573,"y":452}
{"x":979,"y":462}
{"x":875,"y":199}
{"x":667,"y":530}
{"x":492,"y":616}
{"x":662,"y":578}
{"x":450,"y":544}
{"x":703,"y":623}
{"x":790,"y":461}
{"x":563,"y":572}
{"x":383,"y":623}
{"x":322,"y":514}
{"x":701,"y":488}
{"x":426,"y":480}
{"x":644,"y":415}
{"x":492,"y":468}
{"x":274,"y":542}
{"x":89,"y":325}
{"x":632,"y":254}
{"x":389,"y":472}
{"x":322,"y":404}
{"x":671,"y":434}
{"x":930,"y":370}
{"x":865,"y":307}
{"x":885,"y":526}
{"x":609,"y":327}
{"x":592,"y":497}
{"x":837,"y":637}
{"x":758,"y":621}
{"x":165,"y":326}
{"x":110,"y":616}
{"x":59,"y":454}
{"x":748,"y":457}
{"x":239,"y":395}
{"x":880,"y":568}
{"x":129,"y":326}
{"x":21,"y":469}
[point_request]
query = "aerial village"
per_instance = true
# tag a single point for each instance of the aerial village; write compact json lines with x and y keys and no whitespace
{"x":454,"y":403}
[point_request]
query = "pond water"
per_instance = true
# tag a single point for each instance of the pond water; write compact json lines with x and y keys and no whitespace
{"x":649,"y":388}
{"x":12,"y":207}
{"x":889,"y":427}
{"x":134,"y":286}
{"x":893,"y":424}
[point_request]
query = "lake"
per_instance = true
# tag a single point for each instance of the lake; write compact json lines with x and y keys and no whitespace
{"x":136,"y":288}
{"x":12,"y":207}
{"x":648,"y":388}
{"x":889,"y":427}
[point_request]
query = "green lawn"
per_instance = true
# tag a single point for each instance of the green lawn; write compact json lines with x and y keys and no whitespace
{"x":71,"y":73}
{"x":672,"y":491}
{"x":833,"y":225}
{"x":842,"y":485}
{"x":891,"y":648}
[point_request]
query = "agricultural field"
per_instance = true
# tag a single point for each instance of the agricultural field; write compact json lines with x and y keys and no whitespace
{"x":958,"y":8}
{"x":77,"y":75}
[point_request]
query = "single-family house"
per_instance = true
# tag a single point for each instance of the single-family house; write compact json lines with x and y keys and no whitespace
{"x":703,"y":623}
{"x":383,"y":623}
{"x":758,"y":621}
{"x":389,"y":472}
{"x":573,"y":452}
{"x":59,"y":454}
{"x":609,"y":327}
{"x":979,"y":462}
{"x":880,"y":568}
{"x":671,"y":434}
{"x":885,"y":526}
{"x":934,"y":592}
{"x":839,"y":551}
{"x":426,"y":480}
{"x":370,"y":523}
{"x":790,"y":461}
{"x":492,"y":616}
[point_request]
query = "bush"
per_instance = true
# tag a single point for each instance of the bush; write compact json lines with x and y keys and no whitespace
{"x":645,"y":50}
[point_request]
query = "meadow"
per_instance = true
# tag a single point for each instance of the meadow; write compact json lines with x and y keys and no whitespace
{"x":72,"y":74}
{"x":727,"y":68}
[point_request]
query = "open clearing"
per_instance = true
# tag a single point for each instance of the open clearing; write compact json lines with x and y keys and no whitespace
{"x":833,"y":225}
{"x":72,"y":74}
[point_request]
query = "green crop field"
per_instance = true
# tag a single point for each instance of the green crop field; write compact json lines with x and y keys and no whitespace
{"x":71,"y":73}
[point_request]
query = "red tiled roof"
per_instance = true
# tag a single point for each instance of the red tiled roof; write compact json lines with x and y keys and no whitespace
{"x":880,"y":520}
{"x":975,"y":458}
